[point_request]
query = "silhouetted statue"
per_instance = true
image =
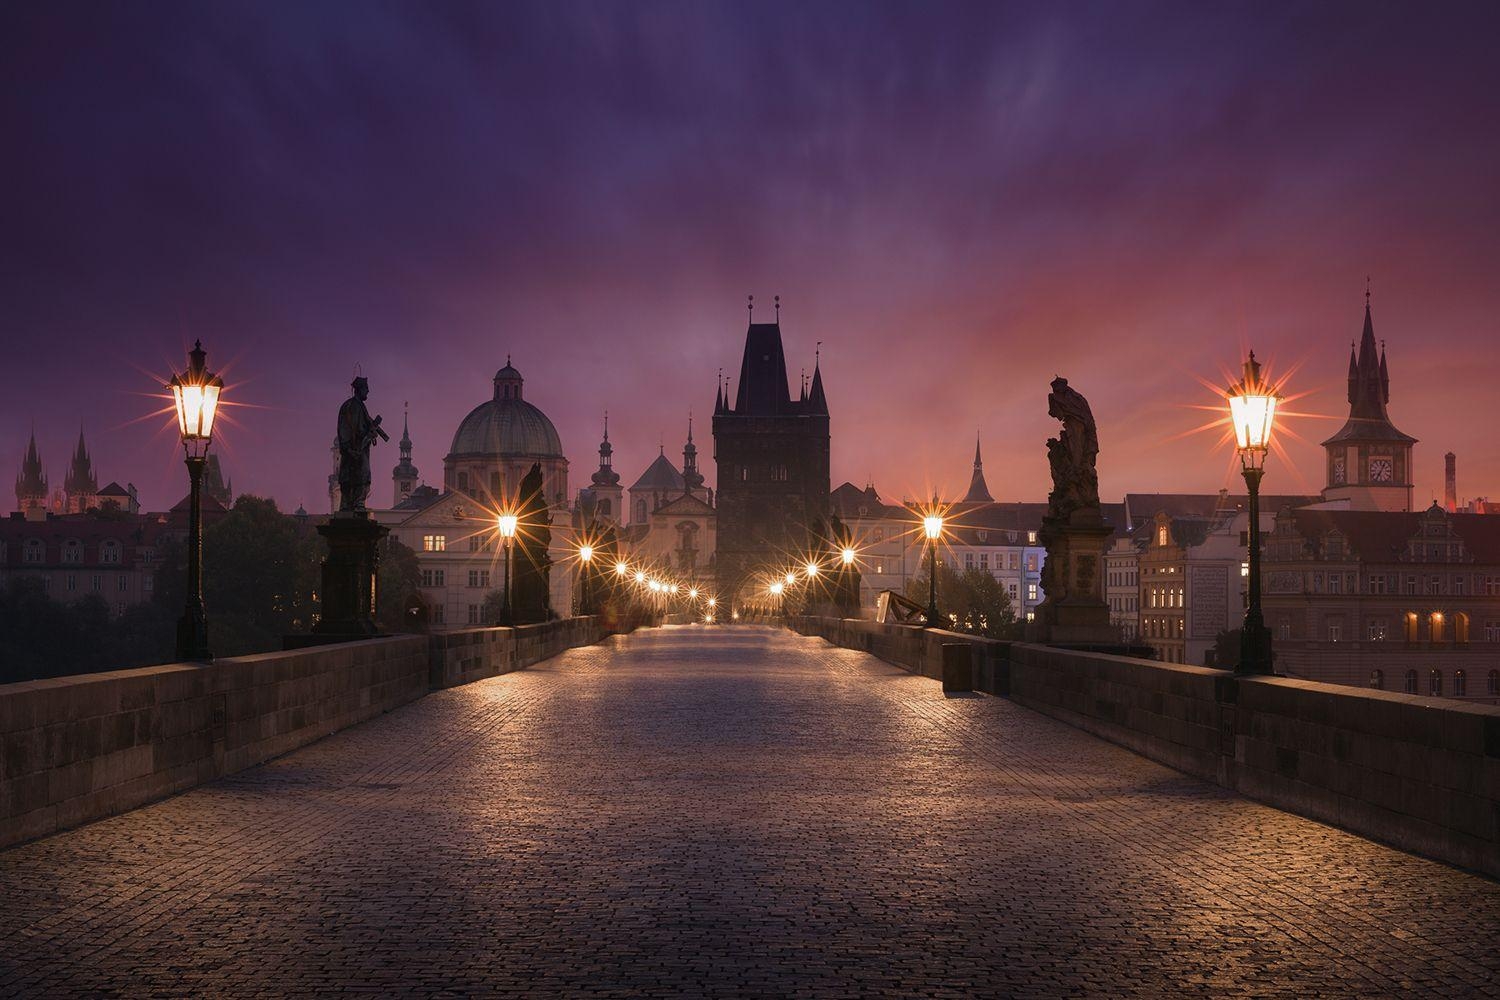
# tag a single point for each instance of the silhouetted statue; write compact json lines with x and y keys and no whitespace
{"x":531,"y":597}
{"x":1072,"y":454}
{"x":357,"y":434}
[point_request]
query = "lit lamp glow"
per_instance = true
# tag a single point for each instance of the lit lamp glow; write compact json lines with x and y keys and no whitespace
{"x":847,"y":555}
{"x":621,"y":569}
{"x":693,"y":593}
{"x":791,"y":578}
{"x":195,"y":395}
{"x":1252,"y":413}
{"x":812,"y":570}
{"x":712,"y":603}
{"x":586,"y":553}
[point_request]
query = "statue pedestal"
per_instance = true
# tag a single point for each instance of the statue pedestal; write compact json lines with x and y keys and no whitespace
{"x":349,"y":588}
{"x":1075,"y":612}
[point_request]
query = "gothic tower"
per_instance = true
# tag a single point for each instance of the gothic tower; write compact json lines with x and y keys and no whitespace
{"x":31,"y":485}
{"x":80,"y":487}
{"x":772,"y":452}
{"x":404,"y":475}
{"x":1369,"y":460}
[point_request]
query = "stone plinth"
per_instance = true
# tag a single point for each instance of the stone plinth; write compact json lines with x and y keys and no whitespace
{"x":349,"y":571}
{"x":1074,"y":611}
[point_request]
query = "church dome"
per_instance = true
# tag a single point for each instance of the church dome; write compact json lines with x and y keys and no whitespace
{"x":506,"y":424}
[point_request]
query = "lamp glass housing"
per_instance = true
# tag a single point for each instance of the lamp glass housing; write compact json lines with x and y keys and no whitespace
{"x":932,"y":527}
{"x":847,"y":556}
{"x":1252,"y":411}
{"x":195,"y":396}
{"x":586,"y":553}
{"x":507,"y":525}
{"x":812,"y":570}
{"x":621,"y":569}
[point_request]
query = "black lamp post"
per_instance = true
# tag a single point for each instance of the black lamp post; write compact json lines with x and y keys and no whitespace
{"x":932,"y":527}
{"x":507,"y":524}
{"x":586,"y":579}
{"x":1252,"y":410}
{"x":195,"y":394}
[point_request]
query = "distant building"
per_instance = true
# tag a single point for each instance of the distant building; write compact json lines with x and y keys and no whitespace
{"x":80,"y":487}
{"x":772,"y":453}
{"x":112,"y":557}
{"x":1386,"y":599}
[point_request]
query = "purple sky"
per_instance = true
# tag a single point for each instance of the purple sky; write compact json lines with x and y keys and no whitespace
{"x":960,"y":202}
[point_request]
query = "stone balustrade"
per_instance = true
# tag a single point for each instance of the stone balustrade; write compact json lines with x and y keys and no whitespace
{"x":1422,"y":774}
{"x":75,"y":749}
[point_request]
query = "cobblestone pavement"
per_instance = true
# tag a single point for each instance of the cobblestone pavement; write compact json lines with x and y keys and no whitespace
{"x":729,"y":812}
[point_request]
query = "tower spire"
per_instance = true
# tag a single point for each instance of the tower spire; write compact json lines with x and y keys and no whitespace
{"x":979,"y":492}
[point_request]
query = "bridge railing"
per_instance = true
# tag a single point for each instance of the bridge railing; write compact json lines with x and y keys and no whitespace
{"x":76,"y":749}
{"x":1422,"y":774}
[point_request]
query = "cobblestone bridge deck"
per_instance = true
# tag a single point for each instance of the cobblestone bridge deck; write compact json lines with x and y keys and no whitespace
{"x":732,"y":811}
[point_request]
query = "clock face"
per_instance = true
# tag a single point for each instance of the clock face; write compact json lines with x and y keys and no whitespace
{"x":1381,"y":470}
{"x":1339,"y":475}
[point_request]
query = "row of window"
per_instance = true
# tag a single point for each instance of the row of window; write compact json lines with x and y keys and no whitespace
{"x":34,"y":552}
{"x":96,"y":583}
{"x":1433,"y":626}
{"x":1411,"y":584}
{"x":1163,"y":628}
{"x":1015,"y":561}
{"x":1435,"y":682}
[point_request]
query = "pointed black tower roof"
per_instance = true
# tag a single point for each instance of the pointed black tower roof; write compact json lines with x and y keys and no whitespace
{"x":763,"y":389}
{"x":30,"y":483}
{"x":81,"y":478}
{"x":1369,"y":392}
{"x":979,"y":492}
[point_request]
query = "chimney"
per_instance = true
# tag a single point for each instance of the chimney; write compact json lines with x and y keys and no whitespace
{"x":1450,"y":483}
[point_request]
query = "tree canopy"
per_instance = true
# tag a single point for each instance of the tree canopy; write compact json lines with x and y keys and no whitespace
{"x":971,"y":601}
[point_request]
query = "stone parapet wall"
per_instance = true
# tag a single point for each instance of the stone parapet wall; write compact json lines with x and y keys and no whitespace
{"x":1422,"y":774}
{"x":76,"y":749}
{"x":473,"y":654}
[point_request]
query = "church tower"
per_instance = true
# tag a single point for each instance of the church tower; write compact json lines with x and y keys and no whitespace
{"x":81,"y":487}
{"x":404,"y":475}
{"x":605,"y":482}
{"x":772,"y":452}
{"x":979,"y":492}
{"x":1369,"y":460}
{"x":31,"y":485}
{"x":692,"y":479}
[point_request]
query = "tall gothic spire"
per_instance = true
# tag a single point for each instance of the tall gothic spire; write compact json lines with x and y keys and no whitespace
{"x":31,"y":485}
{"x":80,"y":479}
{"x":979,"y":492}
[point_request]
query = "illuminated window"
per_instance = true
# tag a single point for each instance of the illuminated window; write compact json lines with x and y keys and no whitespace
{"x":1031,"y":592}
{"x":1031,"y":537}
{"x":1161,"y":535}
{"x":434,"y":543}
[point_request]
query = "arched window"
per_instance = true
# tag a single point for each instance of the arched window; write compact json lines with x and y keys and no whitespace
{"x":1377,"y":679}
{"x":1494,"y":684}
{"x":1461,"y":627}
{"x":1434,"y":682}
{"x":1460,"y":684}
{"x":1436,"y":621}
{"x":604,"y":508}
{"x":1409,"y":623}
{"x":463,"y":481}
{"x":1411,"y":682}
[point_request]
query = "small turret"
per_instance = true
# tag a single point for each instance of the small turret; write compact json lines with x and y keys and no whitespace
{"x":404,"y":476}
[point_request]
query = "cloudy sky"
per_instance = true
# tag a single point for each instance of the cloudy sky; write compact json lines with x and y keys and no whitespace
{"x":959,"y":201}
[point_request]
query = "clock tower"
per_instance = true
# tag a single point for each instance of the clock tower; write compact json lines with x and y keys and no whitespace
{"x":1369,"y":461}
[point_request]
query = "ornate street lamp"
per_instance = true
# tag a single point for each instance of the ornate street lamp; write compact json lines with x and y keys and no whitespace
{"x":195,"y":393}
{"x":846,"y":556}
{"x":932,"y":527}
{"x":585,"y":579}
{"x":1252,"y":411}
{"x":507,"y":522}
